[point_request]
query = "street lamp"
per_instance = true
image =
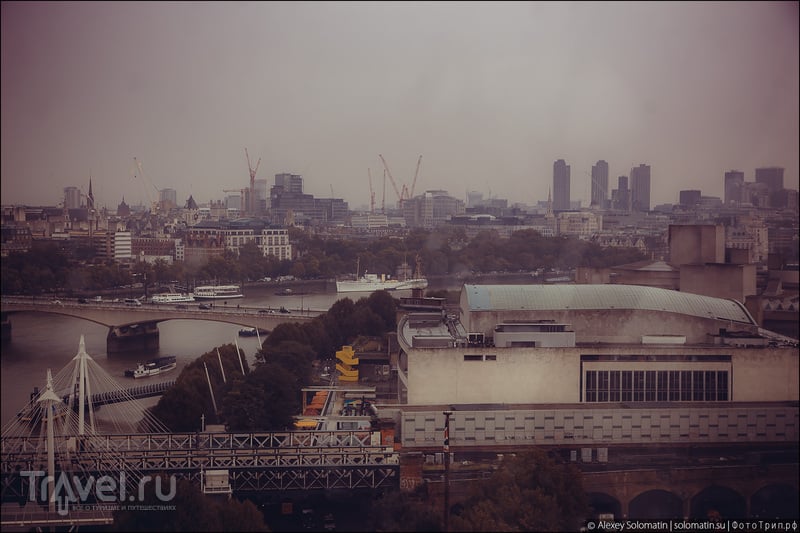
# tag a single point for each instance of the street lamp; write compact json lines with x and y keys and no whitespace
{"x":446,"y":450}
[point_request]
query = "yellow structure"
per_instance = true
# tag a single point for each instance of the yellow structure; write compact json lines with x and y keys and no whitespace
{"x":348,"y":368}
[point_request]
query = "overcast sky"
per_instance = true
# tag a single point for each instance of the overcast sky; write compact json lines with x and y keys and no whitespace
{"x":490,"y":94}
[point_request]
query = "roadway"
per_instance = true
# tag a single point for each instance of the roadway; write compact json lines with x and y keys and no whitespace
{"x":117,"y":313}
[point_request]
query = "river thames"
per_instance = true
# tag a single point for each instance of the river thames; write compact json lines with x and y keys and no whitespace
{"x":40,"y":341}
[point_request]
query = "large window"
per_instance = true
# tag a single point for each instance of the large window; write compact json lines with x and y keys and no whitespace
{"x":656,"y":385}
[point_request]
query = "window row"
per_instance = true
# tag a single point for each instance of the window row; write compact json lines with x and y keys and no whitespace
{"x":656,"y":386}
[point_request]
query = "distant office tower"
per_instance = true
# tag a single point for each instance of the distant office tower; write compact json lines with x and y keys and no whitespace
{"x":772,"y":177}
{"x":640,"y":188}
{"x":72,"y":197}
{"x":290,"y":182}
{"x":560,"y":185}
{"x":734,"y":179}
{"x":599,"y":184}
{"x":621,"y":197}
{"x":233,"y":201}
{"x":474,"y":198}
{"x":689,"y":198}
{"x":168,"y":198}
{"x":261,"y":195}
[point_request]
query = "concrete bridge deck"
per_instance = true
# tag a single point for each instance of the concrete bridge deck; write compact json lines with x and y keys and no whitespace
{"x":136,"y":326}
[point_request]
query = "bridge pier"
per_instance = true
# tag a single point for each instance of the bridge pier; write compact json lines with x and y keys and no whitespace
{"x":5,"y":328}
{"x":132,"y":337}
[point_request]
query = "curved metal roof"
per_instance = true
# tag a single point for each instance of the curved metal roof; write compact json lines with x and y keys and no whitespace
{"x":564,"y":297}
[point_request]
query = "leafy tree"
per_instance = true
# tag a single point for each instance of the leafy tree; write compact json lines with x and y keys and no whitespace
{"x":530,"y":492}
{"x":188,"y":510}
{"x":182,"y":405}
{"x":400,"y":511}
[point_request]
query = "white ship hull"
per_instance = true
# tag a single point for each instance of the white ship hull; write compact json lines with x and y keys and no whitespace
{"x":172,"y":298}
{"x":418,"y":283}
{"x":217,"y":292}
{"x":363,"y":285}
{"x":152,"y":368}
{"x":367,"y":285}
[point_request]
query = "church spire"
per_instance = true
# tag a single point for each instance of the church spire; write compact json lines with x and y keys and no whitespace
{"x":90,"y":196}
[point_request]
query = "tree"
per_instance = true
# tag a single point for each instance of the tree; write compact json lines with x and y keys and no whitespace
{"x":529,"y":492}
{"x":187,"y":509}
{"x":182,"y":405}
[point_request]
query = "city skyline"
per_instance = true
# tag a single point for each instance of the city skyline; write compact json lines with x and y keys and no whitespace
{"x":489,"y":94}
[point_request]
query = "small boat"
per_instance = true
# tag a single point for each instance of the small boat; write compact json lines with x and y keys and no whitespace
{"x":153,"y":367}
{"x":253,"y":332}
{"x":217,"y":292}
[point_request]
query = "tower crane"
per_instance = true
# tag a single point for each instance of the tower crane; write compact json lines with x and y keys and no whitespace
{"x":371,"y":193}
{"x":251,"y":203}
{"x":404,"y":193}
{"x":414,"y":183}
{"x":153,"y":202}
{"x":396,"y":190}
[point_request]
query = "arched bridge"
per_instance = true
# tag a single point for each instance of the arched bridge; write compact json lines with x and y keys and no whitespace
{"x":136,"y":327}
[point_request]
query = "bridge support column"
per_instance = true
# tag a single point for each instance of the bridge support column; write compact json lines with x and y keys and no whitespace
{"x":624,"y":505}
{"x":5,"y":328}
{"x":132,"y":337}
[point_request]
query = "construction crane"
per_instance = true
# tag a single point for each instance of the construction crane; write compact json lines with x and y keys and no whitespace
{"x":251,"y":207}
{"x":414,"y":183}
{"x":371,"y":193}
{"x":396,"y":190}
{"x":153,"y":202}
{"x":404,"y":193}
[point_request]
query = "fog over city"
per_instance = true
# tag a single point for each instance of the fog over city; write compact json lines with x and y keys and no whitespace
{"x":490,"y":94}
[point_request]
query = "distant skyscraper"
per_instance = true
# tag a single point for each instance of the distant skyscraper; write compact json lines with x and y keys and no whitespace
{"x":72,"y":197}
{"x":734,"y":180}
{"x":640,"y":188}
{"x":168,"y":198}
{"x":622,"y":195}
{"x":261,"y":195}
{"x":292,"y":183}
{"x":560,"y":185}
{"x":474,"y":198}
{"x":772,"y":177}
{"x":690,"y":198}
{"x":599,"y":184}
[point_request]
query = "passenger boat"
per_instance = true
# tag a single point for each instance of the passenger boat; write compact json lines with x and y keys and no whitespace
{"x":373,"y":282}
{"x":253,"y":332}
{"x":171,"y":298}
{"x":153,"y":367}
{"x":217,"y":292}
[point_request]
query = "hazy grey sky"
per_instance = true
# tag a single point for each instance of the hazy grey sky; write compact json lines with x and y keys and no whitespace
{"x":490,"y":94}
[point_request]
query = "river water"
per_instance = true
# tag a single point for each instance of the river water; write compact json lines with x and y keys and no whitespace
{"x":40,"y":341}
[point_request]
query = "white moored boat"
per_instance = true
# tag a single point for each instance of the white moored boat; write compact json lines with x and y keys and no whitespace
{"x":153,"y":367}
{"x":374,"y":282}
{"x":172,"y":298}
{"x":217,"y":292}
